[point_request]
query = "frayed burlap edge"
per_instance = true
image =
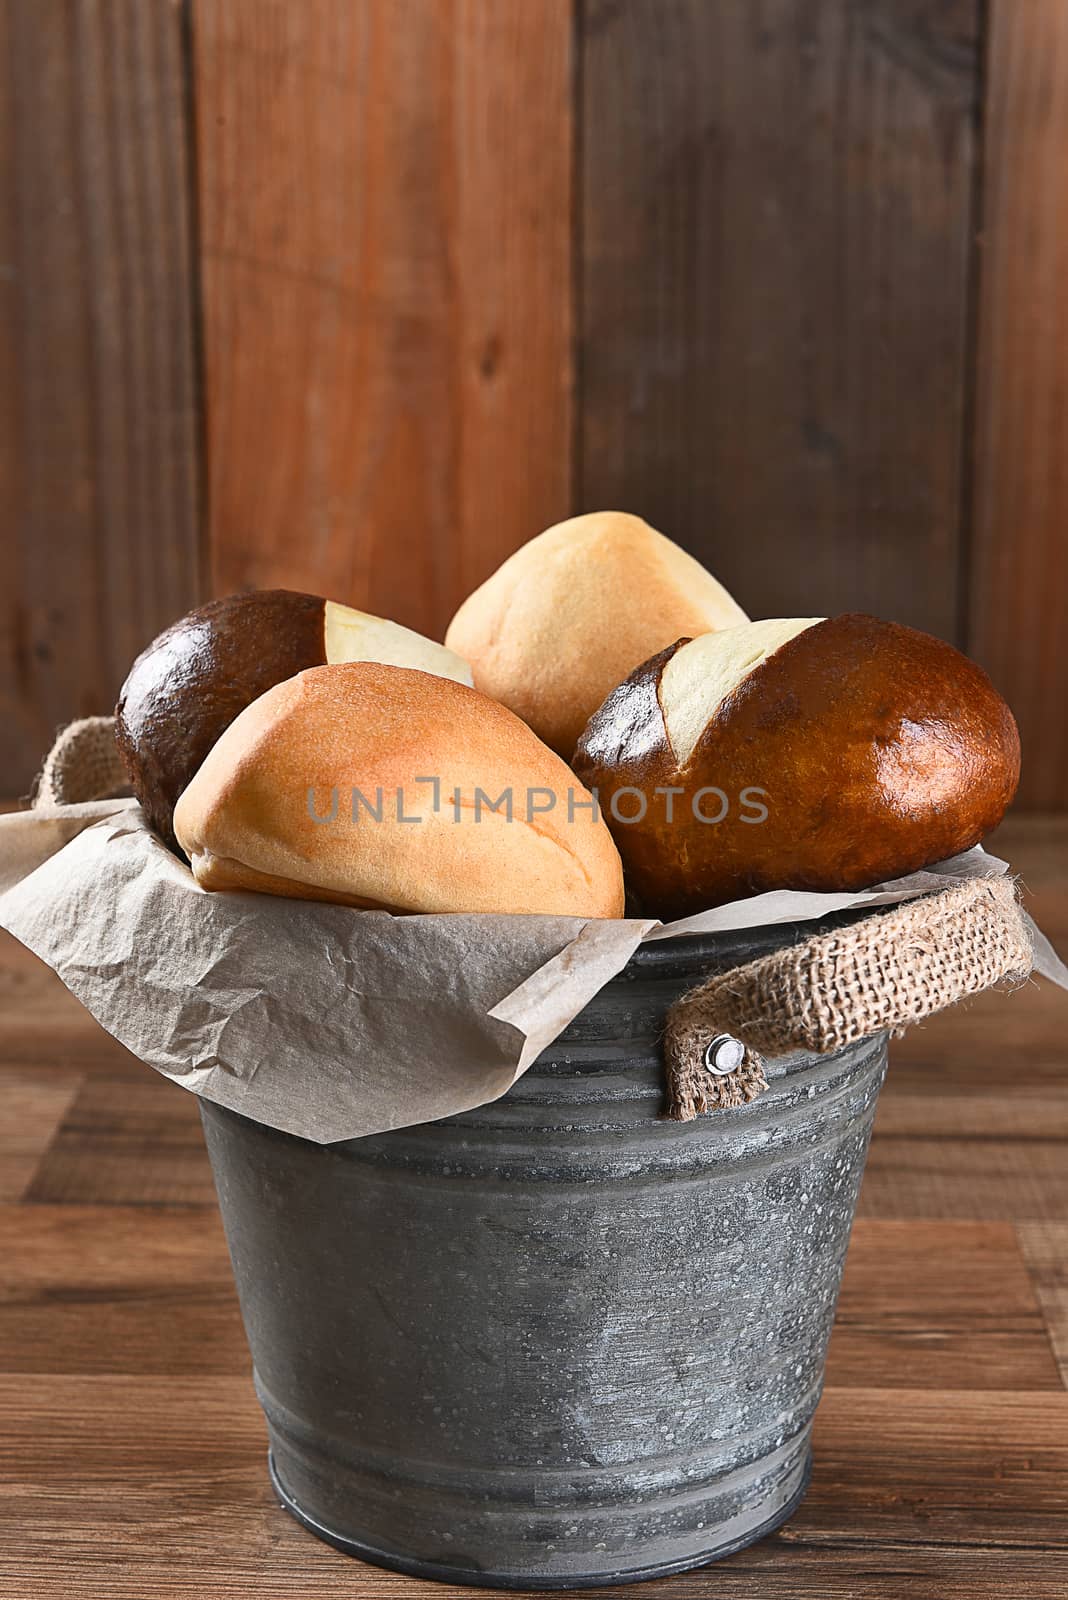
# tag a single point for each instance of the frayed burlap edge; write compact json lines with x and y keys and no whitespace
{"x":877,"y":975}
{"x":83,"y":764}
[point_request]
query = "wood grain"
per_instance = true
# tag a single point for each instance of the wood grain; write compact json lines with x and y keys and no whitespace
{"x":43,"y":1028}
{"x":98,"y":1289}
{"x":776,"y":234}
{"x":32,"y":1105}
{"x":918,"y":1173}
{"x":126,"y":1141}
{"x":1020,"y":565}
{"x":1045,"y":1249}
{"x":939,"y":1305}
{"x":385,"y":200}
{"x":98,"y":430}
{"x":974,"y":1123}
{"x":1011,"y":1451}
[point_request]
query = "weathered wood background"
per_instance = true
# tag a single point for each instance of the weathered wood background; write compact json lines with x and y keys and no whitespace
{"x":358,"y":295}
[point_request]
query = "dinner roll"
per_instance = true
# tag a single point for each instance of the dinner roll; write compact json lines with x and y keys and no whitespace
{"x":380,"y":786}
{"x":565,"y":618}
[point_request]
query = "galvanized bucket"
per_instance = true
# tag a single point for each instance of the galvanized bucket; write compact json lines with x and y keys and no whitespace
{"x":557,"y":1341}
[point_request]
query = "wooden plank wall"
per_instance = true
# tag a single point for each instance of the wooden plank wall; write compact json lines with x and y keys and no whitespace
{"x":399,"y":282}
{"x":775,"y":292}
{"x":385,"y":245}
{"x":1019,"y":590}
{"x":99,"y":436}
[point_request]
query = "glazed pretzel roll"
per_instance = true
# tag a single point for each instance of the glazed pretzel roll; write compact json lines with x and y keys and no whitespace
{"x":803,"y":753}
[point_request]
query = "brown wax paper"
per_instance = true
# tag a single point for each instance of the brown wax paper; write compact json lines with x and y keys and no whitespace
{"x":321,"y":1020}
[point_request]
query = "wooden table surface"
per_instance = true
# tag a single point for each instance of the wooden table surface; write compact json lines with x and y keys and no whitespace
{"x":132,"y":1454}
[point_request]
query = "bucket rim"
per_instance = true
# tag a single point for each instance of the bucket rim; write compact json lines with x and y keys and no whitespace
{"x":689,"y":949}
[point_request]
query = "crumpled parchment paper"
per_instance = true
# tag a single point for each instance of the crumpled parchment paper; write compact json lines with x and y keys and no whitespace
{"x":320,"y":1020}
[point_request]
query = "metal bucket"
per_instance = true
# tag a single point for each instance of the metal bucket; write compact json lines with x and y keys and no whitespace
{"x":556,"y":1341}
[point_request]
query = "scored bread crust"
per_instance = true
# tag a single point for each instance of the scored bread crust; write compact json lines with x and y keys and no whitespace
{"x":879,"y":749}
{"x":563,"y":620}
{"x":245,"y":822}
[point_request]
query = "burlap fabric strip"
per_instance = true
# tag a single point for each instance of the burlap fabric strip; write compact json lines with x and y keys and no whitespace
{"x":83,"y":764}
{"x":878,"y":975}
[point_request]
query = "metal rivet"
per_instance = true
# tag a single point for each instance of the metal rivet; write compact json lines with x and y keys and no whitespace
{"x":724,"y":1054}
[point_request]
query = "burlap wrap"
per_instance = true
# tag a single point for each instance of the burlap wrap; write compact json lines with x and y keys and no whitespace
{"x":83,"y":764}
{"x":881,"y":973}
{"x":878,"y":975}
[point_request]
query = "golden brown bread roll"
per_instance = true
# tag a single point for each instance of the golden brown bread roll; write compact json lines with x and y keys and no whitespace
{"x":191,"y":682}
{"x":802,"y":754}
{"x":359,"y":747}
{"x":571,"y":613}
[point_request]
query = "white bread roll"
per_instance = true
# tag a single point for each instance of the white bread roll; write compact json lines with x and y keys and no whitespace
{"x":342,"y":740}
{"x":567,"y":617}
